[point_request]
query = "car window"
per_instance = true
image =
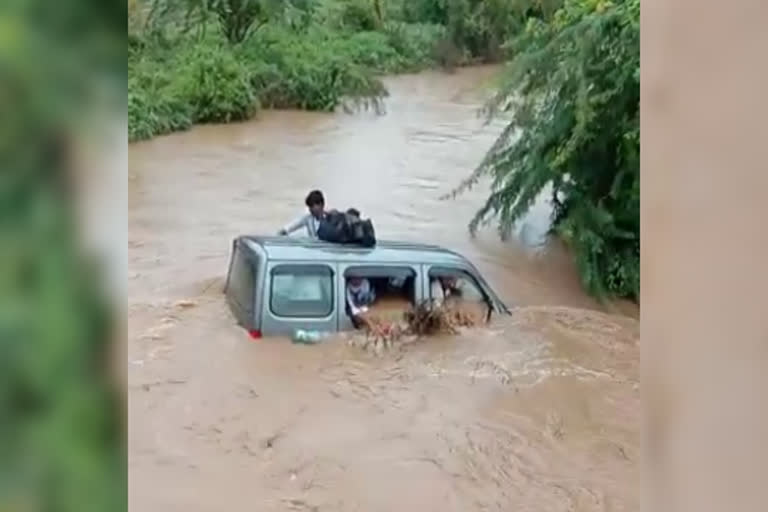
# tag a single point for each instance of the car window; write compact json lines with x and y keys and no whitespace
{"x":469,"y":290}
{"x":302,"y":291}
{"x":467,"y":287}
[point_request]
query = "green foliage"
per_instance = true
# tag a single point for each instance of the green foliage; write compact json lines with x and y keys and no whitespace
{"x":217,"y":60}
{"x":573,"y":90}
{"x":476,"y":29}
{"x":301,"y":59}
{"x":315,"y":70}
{"x":60,"y":426}
{"x":154,"y":106}
{"x":235,"y":19}
{"x":214,"y":84}
{"x":415,"y":43}
{"x":346,"y":16}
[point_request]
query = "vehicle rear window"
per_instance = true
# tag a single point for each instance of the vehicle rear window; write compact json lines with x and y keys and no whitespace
{"x":302,"y":291}
{"x":241,"y":281}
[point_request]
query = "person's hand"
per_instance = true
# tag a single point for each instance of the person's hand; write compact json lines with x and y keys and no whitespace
{"x":364,"y":309}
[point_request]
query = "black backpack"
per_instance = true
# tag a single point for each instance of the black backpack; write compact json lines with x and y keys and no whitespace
{"x":342,"y":228}
{"x":333,"y":228}
{"x":367,"y":234}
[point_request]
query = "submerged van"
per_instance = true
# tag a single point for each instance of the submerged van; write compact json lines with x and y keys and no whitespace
{"x":276,"y":285}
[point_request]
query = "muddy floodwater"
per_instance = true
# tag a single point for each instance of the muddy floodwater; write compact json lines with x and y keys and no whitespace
{"x":539,"y":411}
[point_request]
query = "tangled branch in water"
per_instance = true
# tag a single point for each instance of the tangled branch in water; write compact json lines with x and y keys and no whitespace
{"x":424,"y":319}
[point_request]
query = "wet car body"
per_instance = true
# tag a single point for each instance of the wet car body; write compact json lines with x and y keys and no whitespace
{"x":277,"y":285}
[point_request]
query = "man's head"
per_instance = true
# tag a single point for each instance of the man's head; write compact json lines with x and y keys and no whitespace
{"x":448,"y":282}
{"x":315,"y":203}
{"x":355,"y":281}
{"x":354,"y":212}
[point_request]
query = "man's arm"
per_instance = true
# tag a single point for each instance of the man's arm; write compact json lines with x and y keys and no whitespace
{"x":293,"y":226}
{"x":436,"y":292}
{"x":354,"y":310}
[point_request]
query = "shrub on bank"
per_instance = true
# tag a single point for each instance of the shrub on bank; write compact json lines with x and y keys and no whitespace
{"x":201,"y":79}
{"x":154,"y":106}
{"x":184,"y":67}
{"x":475,"y":30}
{"x":415,"y":43}
{"x":198,"y":83}
{"x":573,"y":89}
{"x":312,"y":70}
{"x":215,"y":84}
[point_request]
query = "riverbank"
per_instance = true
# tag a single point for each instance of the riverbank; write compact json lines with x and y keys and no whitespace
{"x":206,"y":80}
{"x":187,"y":66}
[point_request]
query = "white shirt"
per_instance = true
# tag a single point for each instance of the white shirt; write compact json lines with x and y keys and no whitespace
{"x":308,"y":222}
{"x":437,"y":293}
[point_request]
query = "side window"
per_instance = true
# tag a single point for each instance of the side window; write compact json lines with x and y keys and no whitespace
{"x":241,"y":280}
{"x":385,"y":289}
{"x":470,"y":289}
{"x":301,"y":291}
{"x":461,"y":285}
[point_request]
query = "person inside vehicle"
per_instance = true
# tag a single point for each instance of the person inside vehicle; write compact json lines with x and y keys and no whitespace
{"x":360,"y":296}
{"x":396,"y":284}
{"x":311,"y":221}
{"x":445,"y":287}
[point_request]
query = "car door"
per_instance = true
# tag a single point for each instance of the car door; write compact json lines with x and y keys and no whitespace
{"x":374,"y":270}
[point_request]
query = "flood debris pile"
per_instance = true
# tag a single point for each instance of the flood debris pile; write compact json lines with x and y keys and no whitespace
{"x":429,"y":319}
{"x":421,"y":320}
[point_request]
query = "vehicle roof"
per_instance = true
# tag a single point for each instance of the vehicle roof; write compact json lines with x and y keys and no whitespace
{"x":386,"y":251}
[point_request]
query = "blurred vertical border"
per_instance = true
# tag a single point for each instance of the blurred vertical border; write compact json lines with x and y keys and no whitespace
{"x":63,"y":159}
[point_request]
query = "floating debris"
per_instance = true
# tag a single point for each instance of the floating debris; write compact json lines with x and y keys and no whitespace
{"x":185,"y":303}
{"x":425,"y":319}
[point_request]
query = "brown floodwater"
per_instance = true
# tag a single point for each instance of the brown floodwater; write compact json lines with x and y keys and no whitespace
{"x":539,"y":411}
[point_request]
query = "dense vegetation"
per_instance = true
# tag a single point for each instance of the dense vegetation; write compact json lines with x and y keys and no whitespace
{"x":573,"y":88}
{"x":197,"y":61}
{"x":61,"y":443}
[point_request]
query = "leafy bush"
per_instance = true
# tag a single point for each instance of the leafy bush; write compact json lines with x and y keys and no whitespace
{"x":475,"y":29}
{"x":312,"y":71}
{"x":215,"y":85}
{"x":150,"y":114}
{"x":346,"y":16}
{"x":218,"y":60}
{"x":198,"y":82}
{"x":153,"y":107}
{"x":574,"y":90}
{"x":234,"y":19}
{"x":370,"y":49}
{"x":237,"y":18}
{"x":200,"y":79}
{"x":416,"y":44}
